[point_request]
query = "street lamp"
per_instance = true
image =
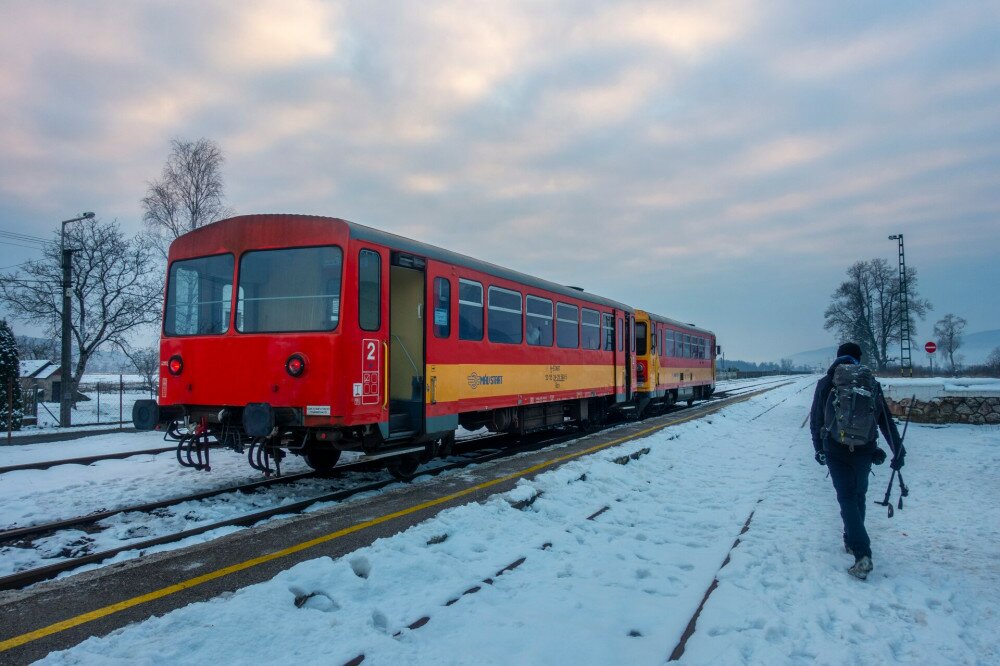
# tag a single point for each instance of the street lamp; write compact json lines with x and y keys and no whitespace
{"x":905,"y":360}
{"x":65,"y":395}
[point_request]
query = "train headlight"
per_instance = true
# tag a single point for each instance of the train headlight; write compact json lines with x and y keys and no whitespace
{"x":175,"y":365}
{"x":295,"y":365}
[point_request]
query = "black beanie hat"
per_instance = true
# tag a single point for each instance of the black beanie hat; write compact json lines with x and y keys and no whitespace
{"x":849,"y":349}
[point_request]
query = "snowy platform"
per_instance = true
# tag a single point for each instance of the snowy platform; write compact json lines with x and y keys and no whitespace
{"x":599,"y":562}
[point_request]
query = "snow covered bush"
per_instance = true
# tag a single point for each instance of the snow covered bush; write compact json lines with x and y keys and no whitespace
{"x":9,"y":384}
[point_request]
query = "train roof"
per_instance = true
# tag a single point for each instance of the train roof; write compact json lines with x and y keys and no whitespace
{"x":370,"y":234}
{"x":395,"y":241}
{"x":361,"y":232}
{"x":673,"y":322}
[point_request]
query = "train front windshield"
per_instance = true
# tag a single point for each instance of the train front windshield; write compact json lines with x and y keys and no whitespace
{"x":199,"y":296}
{"x":295,"y":289}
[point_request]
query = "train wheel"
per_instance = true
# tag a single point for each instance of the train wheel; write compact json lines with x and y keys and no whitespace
{"x":403,"y":467}
{"x":690,"y":402}
{"x":322,"y":460}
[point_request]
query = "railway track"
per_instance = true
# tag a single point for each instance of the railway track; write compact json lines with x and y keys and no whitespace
{"x":89,"y":460}
{"x":31,"y":576}
{"x":86,"y":460}
{"x":500,"y":447}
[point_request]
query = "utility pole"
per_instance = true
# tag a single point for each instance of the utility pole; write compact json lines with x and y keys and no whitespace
{"x":905,"y":360}
{"x":65,"y":375}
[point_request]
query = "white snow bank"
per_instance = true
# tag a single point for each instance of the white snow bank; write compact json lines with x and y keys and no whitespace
{"x":927,"y":388}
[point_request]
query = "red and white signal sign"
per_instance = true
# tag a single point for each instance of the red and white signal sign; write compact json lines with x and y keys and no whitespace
{"x":930,"y":348}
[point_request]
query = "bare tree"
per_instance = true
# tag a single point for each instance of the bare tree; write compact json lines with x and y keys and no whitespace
{"x":113,"y":291}
{"x":948,"y":330}
{"x":37,"y":348}
{"x":993,"y":360}
{"x":147,"y":364}
{"x":189,"y":193}
{"x":866,"y":308}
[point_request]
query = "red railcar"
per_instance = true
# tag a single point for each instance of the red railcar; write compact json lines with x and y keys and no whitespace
{"x":318,"y":335}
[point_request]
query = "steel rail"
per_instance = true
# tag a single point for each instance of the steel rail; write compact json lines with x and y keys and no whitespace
{"x":31,"y":576}
{"x":86,"y":460}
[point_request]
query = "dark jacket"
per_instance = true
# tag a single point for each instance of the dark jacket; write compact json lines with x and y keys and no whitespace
{"x":816,"y":416}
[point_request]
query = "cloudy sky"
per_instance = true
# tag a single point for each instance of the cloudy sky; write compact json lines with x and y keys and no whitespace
{"x":720,"y":162}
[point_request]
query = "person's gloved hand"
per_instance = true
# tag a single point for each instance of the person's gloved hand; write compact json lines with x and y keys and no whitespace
{"x":898,"y":460}
{"x":878,"y":457}
{"x":821,"y":458}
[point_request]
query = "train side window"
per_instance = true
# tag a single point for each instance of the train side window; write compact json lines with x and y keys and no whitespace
{"x":590,"y":329}
{"x":653,"y":338}
{"x":470,"y":310}
{"x":640,"y":337}
{"x":687,"y":346}
{"x":505,"y":316}
{"x":442,"y":307}
{"x":567,"y":326}
{"x":369,"y":288}
{"x":539,"y":321}
{"x":609,"y":332}
{"x":621,"y":338}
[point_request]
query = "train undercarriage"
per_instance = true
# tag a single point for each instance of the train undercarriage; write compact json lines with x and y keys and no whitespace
{"x":268,"y":435}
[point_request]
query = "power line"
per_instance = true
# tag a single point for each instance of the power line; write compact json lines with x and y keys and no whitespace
{"x":23,"y":237}
{"x":30,"y":247}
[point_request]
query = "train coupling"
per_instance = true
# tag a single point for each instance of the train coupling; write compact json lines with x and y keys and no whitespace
{"x":147,"y":415}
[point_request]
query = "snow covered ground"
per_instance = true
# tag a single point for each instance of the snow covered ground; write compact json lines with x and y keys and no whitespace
{"x":621,"y":586}
{"x":91,"y":445}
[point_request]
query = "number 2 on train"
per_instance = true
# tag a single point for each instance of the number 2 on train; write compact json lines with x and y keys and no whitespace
{"x":370,"y":379}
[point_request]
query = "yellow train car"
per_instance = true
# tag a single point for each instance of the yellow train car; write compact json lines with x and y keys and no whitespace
{"x":674,"y":361}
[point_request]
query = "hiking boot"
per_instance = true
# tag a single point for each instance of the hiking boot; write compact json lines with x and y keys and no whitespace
{"x":861,"y":568}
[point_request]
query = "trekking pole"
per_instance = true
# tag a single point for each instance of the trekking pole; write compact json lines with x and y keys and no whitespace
{"x":903,"y":490}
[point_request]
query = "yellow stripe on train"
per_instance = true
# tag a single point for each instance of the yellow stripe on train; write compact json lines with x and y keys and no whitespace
{"x":448,"y":383}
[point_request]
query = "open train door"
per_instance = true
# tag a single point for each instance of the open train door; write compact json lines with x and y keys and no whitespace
{"x":406,"y":345}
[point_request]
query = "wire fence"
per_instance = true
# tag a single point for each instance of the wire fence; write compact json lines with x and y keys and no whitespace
{"x":105,"y":402}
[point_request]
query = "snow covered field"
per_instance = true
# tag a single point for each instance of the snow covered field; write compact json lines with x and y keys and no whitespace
{"x":621,"y":586}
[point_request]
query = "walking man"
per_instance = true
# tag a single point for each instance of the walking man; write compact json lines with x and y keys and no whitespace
{"x":846,"y":408}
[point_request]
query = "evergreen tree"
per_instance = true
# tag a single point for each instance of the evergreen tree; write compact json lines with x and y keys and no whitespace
{"x":9,"y":372}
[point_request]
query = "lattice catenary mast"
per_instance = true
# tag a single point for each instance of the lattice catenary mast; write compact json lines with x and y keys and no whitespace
{"x":905,"y":359}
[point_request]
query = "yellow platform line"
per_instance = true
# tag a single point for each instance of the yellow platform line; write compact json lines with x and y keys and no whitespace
{"x":111,"y":609}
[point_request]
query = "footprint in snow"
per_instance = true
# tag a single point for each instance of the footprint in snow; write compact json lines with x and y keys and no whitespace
{"x":317,"y":601}
{"x":379,"y":620}
{"x":361,"y":567}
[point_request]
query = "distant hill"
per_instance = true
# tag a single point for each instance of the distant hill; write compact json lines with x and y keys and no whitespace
{"x":109,"y":359}
{"x":974,"y":350}
{"x":977,"y":346}
{"x":816,"y":359}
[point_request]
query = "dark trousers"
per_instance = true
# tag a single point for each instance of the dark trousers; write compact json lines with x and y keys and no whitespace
{"x":850,"y":472}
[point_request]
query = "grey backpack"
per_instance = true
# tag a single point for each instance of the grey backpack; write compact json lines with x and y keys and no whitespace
{"x":851,"y":414}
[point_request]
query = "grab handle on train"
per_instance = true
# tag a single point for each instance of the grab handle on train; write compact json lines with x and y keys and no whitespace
{"x":385,"y":380}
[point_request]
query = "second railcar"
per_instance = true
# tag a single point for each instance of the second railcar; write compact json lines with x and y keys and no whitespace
{"x":675,"y":361}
